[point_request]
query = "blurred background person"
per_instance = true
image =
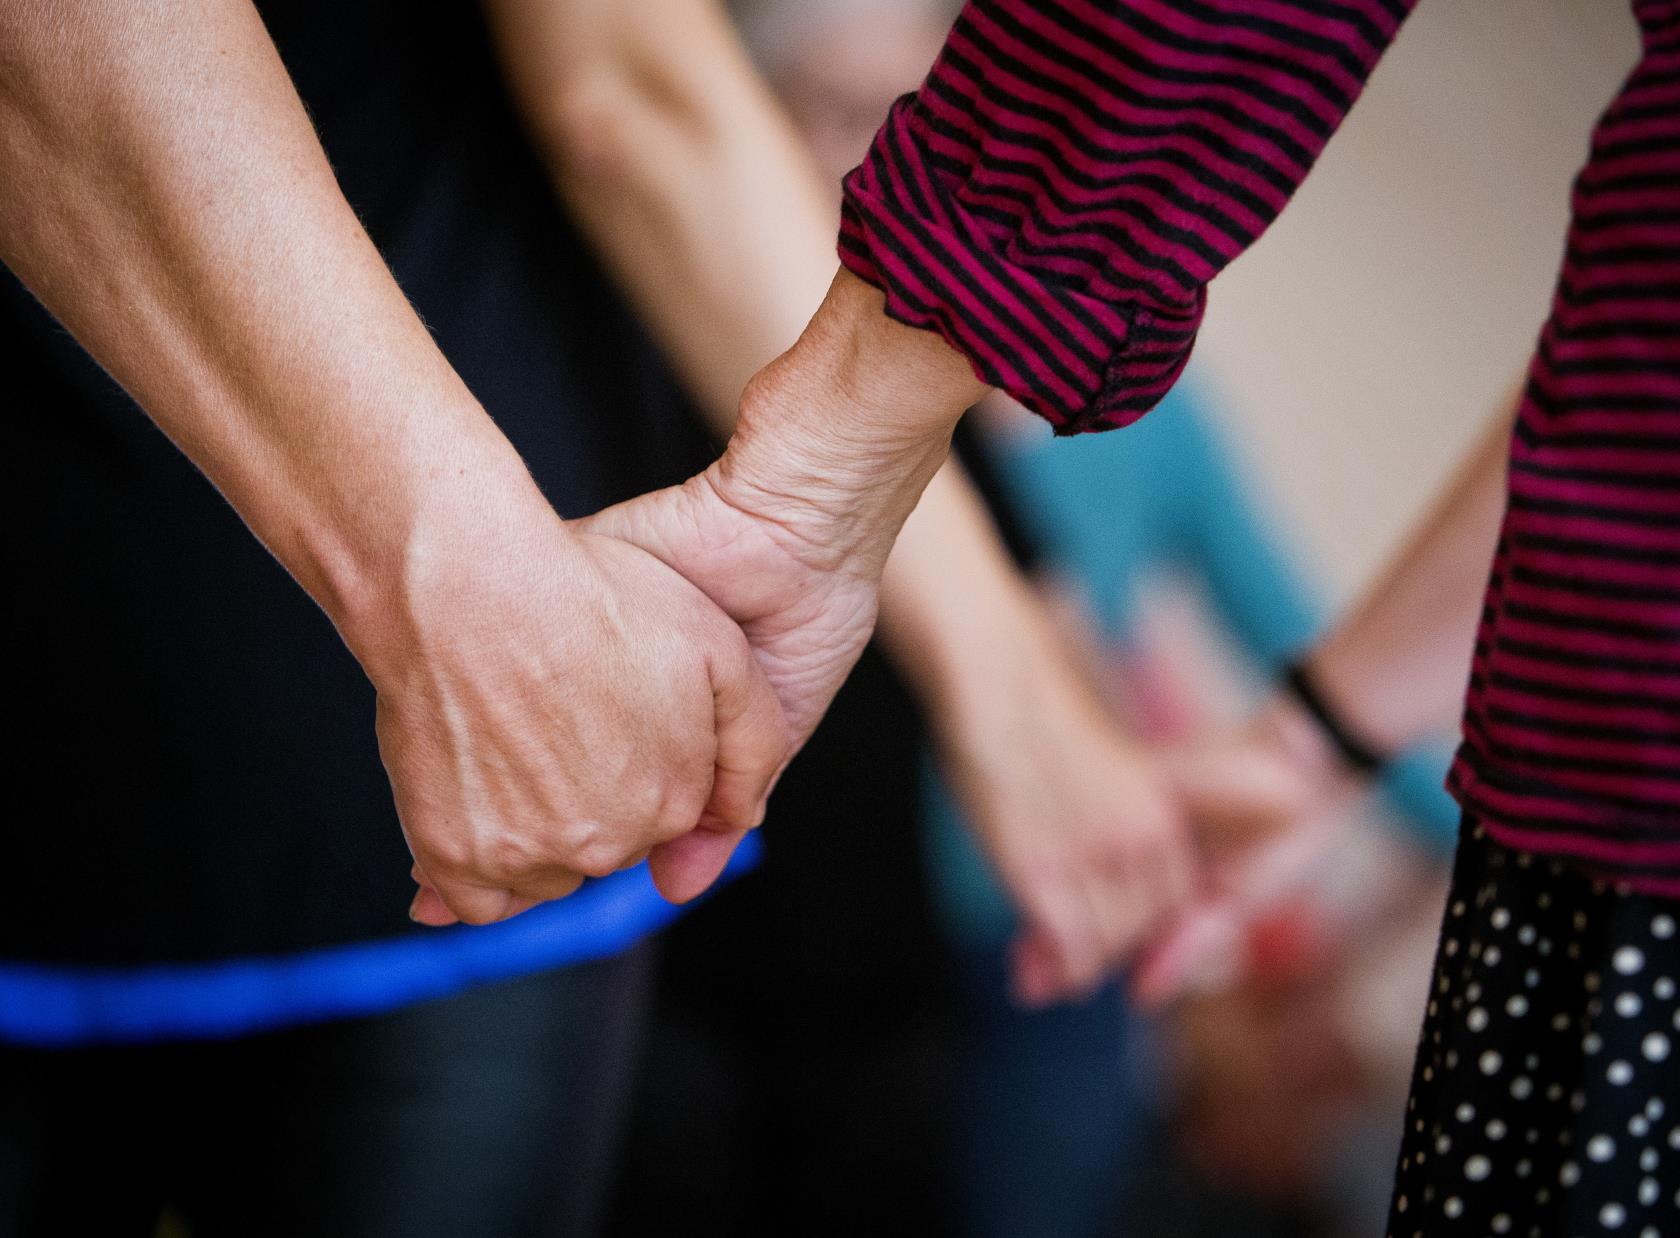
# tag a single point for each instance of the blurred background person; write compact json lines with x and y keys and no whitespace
{"x":1568,"y":826}
{"x":1188,"y":605}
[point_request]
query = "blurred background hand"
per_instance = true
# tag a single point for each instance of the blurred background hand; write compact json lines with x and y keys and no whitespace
{"x":1072,"y":815}
{"x":1261,"y":804}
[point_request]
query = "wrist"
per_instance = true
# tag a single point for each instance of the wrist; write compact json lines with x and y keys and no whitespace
{"x":1366,"y":694}
{"x":838,"y":437}
{"x":441,"y":550}
{"x":1291,"y":732}
{"x":1309,"y":724}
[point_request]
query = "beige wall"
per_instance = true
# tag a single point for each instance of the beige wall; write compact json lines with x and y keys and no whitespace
{"x":1364,"y":340}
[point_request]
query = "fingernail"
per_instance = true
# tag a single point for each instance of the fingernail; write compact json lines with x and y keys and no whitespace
{"x":414,"y":906}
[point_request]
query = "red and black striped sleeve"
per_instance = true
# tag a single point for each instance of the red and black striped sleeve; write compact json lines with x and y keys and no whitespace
{"x":1055,"y":198}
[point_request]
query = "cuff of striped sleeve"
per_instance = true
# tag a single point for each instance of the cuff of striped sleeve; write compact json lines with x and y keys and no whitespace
{"x":1021,"y":314}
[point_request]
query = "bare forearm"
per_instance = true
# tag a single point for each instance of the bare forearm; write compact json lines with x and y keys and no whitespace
{"x":671,"y":154}
{"x":166,"y":198}
{"x":956,"y":614}
{"x":1395,"y":668}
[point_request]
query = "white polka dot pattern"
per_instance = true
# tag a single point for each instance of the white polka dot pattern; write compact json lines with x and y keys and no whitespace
{"x":1542,"y":1095}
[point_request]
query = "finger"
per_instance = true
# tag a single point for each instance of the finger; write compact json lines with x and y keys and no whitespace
{"x":546,"y":887}
{"x":1120,"y":906}
{"x":518,"y":905}
{"x":1199,"y":945}
{"x":1034,"y":970}
{"x":1163,"y":883}
{"x":686,"y":867}
{"x":1062,"y":950}
{"x":474,"y":904}
{"x":1115,"y":914}
{"x":752,"y":733}
{"x":1236,"y":798}
{"x":428,"y":908}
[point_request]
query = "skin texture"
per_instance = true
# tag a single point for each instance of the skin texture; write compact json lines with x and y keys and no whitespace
{"x":166,"y":198}
{"x":676,"y":161}
{"x":790,"y":530}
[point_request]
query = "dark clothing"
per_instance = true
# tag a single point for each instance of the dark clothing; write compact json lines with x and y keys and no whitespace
{"x":799,"y":1064}
{"x":1055,"y":200}
{"x":492,"y":1114}
{"x":797,"y":1070}
{"x":227,"y":797}
{"x":1543,"y":1097}
{"x":199,"y":777}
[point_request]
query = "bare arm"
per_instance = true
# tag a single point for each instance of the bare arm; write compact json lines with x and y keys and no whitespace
{"x":1394,"y":669}
{"x":669,"y":150}
{"x":1393,"y":672}
{"x":167,"y":199}
{"x":671,"y":153}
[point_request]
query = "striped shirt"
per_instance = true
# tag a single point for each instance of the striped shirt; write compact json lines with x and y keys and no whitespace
{"x":1054,"y":201}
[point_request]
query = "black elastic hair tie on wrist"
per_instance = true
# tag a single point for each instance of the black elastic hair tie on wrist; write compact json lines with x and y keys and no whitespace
{"x":1358,"y":754}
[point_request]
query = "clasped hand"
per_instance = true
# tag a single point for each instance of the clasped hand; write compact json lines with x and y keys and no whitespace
{"x":555,"y":705}
{"x":633,"y":683}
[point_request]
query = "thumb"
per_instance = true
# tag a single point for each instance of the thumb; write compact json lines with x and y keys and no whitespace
{"x":753,"y":738}
{"x":753,"y":744}
{"x":641,"y":521}
{"x":686,"y":867}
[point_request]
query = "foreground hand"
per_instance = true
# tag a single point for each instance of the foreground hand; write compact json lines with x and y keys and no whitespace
{"x":788,"y":533}
{"x":551,"y":707}
{"x":806,"y":612}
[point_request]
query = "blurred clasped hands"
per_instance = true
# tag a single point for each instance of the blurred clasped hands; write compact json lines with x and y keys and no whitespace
{"x":559,"y":700}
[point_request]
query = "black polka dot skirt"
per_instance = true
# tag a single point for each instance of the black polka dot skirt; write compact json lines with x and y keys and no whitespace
{"x":1546,"y":1094}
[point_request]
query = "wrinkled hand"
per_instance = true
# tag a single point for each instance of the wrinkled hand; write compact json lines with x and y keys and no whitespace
{"x":789,"y":531}
{"x":806,"y":611}
{"x":1081,"y":830}
{"x":554,"y":705}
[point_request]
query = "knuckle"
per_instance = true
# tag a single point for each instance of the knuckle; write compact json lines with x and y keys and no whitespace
{"x":594,"y":852}
{"x":646,"y":806}
{"x":679,"y":812}
{"x":445,"y":855}
{"x":509,"y":853}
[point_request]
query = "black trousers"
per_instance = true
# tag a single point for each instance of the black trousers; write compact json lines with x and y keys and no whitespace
{"x":493,"y":1114}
